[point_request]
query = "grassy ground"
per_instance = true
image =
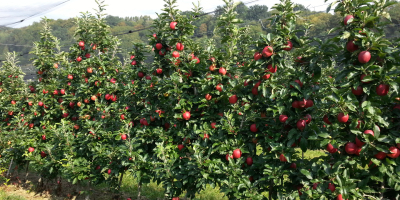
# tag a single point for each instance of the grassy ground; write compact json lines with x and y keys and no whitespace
{"x":16,"y":190}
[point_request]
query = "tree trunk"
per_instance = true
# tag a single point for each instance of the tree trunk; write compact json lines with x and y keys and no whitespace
{"x":139,"y":190}
{"x":9,"y":168}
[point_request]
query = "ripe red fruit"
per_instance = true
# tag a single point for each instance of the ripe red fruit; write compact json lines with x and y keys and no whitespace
{"x":175,"y":198}
{"x":309,"y":103}
{"x":290,"y":44}
{"x":302,"y":104}
{"x":40,"y":104}
{"x":140,"y":74}
{"x":382,"y":90}
{"x":208,"y":97}
{"x":70,"y":77}
{"x":343,"y":118}
{"x":315,"y":185}
{"x":206,"y":136}
{"x":295,"y":104}
{"x":81,"y":43}
{"x":180,"y":146}
{"x":186,"y":115}
{"x":282,"y":158}
{"x":159,"y":46}
{"x":358,"y":91}
{"x":266,"y":76}
{"x":249,"y":161}
{"x":283,"y":118}
{"x":346,"y":19}
{"x":364,"y":57}
{"x":257,"y":56}
{"x":253,"y":128}
{"x":380,"y":155}
{"x":237,"y":153}
{"x":148,"y":77}
{"x":159,"y":71}
{"x":222,"y":71}
{"x":228,"y":156}
{"x":359,"y":143}
{"x":332,"y":187}
{"x":301,"y":124}
{"x":122,"y":117}
{"x":179,"y":46}
{"x":213,"y":124}
{"x":351,"y":148}
{"x":87,"y":55}
{"x":175,"y":54}
{"x":134,"y":63}
{"x":79,"y":59}
{"x":43,"y":136}
{"x":308,"y":118}
{"x":31,"y":149}
{"x":43,"y":154}
{"x":233,"y":99}
{"x":395,"y":152}
{"x":339,"y":197}
{"x":172,"y":25}
{"x":267,"y":51}
{"x":369,"y":132}
{"x":293,"y":166}
{"x":298,"y":82}
{"x":326,"y":120}
{"x":271,"y":69}
{"x":218,"y":87}
{"x":350,"y":46}
{"x":330,"y":148}
{"x":123,"y":137}
{"x":109,"y":171}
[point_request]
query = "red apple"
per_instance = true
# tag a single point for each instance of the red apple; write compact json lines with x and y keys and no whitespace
{"x":395,"y":152}
{"x":175,"y":54}
{"x":233,"y":99}
{"x":331,"y":149}
{"x":301,"y":124}
{"x":123,"y":137}
{"x":351,"y":148}
{"x":186,"y":115}
{"x":350,"y":46}
{"x":271,"y":69}
{"x":331,"y":187}
{"x":257,"y":56}
{"x":213,"y":124}
{"x":206,"y":136}
{"x":283,"y":118}
{"x":295,"y":104}
{"x":380,"y":155}
{"x":237,"y":153}
{"x":293,"y":166}
{"x":179,"y":46}
{"x":222,"y":71}
{"x":180,"y":146}
{"x":290,"y":44}
{"x":159,"y":71}
{"x":228,"y":156}
{"x":253,"y":128}
{"x":370,"y":132}
{"x":364,"y":57}
{"x":308,"y":118}
{"x":326,"y":120}
{"x":159,"y":46}
{"x":343,"y":118}
{"x":346,"y":19}
{"x":249,"y":161}
{"x":358,"y":91}
{"x":31,"y":149}
{"x":172,"y":25}
{"x":282,"y":158}
{"x":267,"y":51}
{"x":208,"y":97}
{"x":382,"y":90}
{"x":81,"y":43}
{"x":359,"y":143}
{"x":218,"y":87}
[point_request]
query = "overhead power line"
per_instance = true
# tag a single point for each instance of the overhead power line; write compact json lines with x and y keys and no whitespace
{"x":22,"y":20}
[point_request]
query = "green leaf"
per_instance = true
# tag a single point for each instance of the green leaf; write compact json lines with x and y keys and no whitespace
{"x":306,"y":173}
{"x":377,"y":131}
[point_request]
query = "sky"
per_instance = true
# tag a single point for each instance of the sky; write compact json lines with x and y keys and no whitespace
{"x":11,"y":12}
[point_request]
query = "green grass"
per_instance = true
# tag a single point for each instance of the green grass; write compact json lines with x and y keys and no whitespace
{"x":5,"y":196}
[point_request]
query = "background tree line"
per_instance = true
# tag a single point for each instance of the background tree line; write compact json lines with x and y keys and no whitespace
{"x":256,"y":17}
